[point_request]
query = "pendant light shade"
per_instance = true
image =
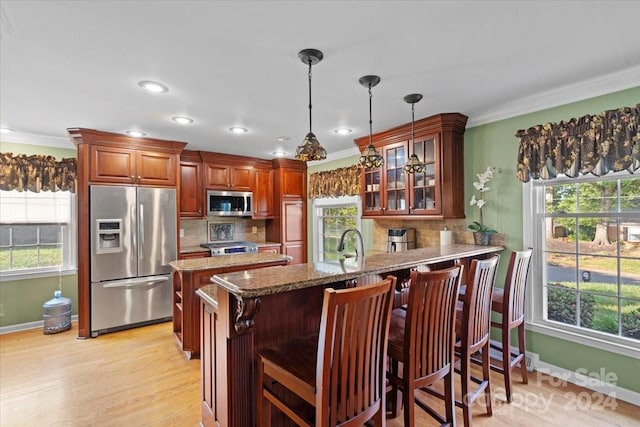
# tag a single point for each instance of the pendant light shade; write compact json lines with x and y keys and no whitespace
{"x":370,"y":157}
{"x":414,"y":165}
{"x":310,"y":148}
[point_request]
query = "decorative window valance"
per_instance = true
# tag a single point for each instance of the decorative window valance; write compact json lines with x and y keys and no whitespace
{"x":596,"y":144}
{"x":335,"y":183}
{"x":36,"y":173}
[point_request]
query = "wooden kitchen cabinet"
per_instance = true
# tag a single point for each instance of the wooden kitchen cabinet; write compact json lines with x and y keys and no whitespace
{"x":269,"y":249}
{"x":187,"y":278}
{"x":194,"y":255}
{"x":289,"y":225}
{"x":191,"y":188}
{"x":115,"y":165}
{"x":228,"y":172}
{"x":436,"y":193}
{"x":263,"y":192}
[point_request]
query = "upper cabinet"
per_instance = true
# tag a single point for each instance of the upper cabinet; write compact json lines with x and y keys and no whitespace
{"x":263,"y":191}
{"x":191,"y":189}
{"x":226,"y":172}
{"x":122,"y":165}
{"x":289,"y":225}
{"x":120,"y":159}
{"x":438,"y":191}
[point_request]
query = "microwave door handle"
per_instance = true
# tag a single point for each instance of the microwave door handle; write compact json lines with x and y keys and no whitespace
{"x":141,"y":228}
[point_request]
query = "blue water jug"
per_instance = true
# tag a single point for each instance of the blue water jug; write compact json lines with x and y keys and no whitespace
{"x":57,"y":314}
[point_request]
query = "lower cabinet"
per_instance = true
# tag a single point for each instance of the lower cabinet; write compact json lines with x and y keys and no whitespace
{"x":269,"y":249}
{"x":208,"y":371}
{"x":193,"y":255}
{"x":186,"y":307}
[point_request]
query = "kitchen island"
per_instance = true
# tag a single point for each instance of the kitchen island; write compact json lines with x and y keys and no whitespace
{"x":191,"y":274}
{"x":245,"y":311}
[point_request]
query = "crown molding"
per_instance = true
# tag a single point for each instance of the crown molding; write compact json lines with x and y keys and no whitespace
{"x":602,"y":85}
{"x":36,"y":139}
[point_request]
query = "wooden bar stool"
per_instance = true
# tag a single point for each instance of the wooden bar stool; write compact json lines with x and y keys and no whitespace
{"x":472,"y":329}
{"x":340,"y":374}
{"x":422,"y":338}
{"x":509,"y":303}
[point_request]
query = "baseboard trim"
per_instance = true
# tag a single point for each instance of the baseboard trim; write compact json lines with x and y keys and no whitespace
{"x":27,"y":326}
{"x":590,"y":382}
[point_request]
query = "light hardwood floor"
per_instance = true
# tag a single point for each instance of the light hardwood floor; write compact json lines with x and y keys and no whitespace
{"x":139,"y":378}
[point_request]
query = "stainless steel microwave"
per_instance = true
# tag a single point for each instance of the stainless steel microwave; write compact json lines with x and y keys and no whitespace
{"x":229,"y":203}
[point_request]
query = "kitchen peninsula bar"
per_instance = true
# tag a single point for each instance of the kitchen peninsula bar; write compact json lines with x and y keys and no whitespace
{"x":245,"y":311}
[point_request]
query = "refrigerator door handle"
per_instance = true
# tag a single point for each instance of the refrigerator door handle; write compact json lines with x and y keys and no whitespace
{"x":133,"y":231}
{"x":132,"y":283}
{"x":141,"y":228}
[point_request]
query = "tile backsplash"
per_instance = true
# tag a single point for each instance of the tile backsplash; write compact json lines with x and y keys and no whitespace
{"x":427,"y":232}
{"x":197,"y":231}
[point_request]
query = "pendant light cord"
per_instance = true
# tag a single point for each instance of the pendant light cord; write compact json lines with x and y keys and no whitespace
{"x":413,"y":134}
{"x":309,"y":95}
{"x":370,"y":121}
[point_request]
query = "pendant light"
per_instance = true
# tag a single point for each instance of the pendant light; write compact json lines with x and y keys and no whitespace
{"x":310,"y":148}
{"x":414,"y":165}
{"x":370,"y":157}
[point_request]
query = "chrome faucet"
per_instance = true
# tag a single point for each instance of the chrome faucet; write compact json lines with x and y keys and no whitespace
{"x":341,"y":244}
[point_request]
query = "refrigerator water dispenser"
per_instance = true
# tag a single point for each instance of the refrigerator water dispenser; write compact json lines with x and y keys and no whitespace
{"x":109,"y":237}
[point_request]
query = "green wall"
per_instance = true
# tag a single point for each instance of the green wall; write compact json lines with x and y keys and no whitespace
{"x":21,"y":300}
{"x":495,"y":144}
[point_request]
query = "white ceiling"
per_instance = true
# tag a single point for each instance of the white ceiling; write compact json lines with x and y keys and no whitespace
{"x":70,"y":64}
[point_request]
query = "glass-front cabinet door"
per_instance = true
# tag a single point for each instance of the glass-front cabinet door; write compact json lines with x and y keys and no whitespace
{"x":371,"y":185}
{"x":395,"y":194}
{"x":425,"y":186}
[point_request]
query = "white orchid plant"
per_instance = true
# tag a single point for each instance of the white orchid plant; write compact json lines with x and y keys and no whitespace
{"x":481,"y":186}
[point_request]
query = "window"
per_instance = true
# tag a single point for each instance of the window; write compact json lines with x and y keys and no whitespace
{"x":331,"y":216}
{"x":586,"y":277}
{"x":36,"y":232}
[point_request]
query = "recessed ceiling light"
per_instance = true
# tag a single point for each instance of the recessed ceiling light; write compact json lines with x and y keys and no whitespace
{"x":153,"y":86}
{"x":6,"y":130}
{"x":183,"y":120}
{"x":237,"y":129}
{"x":282,"y":138}
{"x":279,"y":153}
{"x":135,"y":133}
{"x":343,"y":131}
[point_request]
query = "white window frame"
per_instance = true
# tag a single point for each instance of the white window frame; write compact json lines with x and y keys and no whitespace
{"x":69,"y":252}
{"x":321,"y":203}
{"x":533,"y":236}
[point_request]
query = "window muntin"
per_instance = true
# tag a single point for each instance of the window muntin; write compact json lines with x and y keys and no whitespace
{"x":37,"y":231}
{"x":331,"y":216}
{"x":591,"y":263}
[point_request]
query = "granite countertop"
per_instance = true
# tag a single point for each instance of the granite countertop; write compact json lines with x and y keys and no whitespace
{"x":271,"y":280}
{"x":226,"y":261}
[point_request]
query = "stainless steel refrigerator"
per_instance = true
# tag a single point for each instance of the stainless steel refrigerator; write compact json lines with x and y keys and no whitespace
{"x":133,"y":239}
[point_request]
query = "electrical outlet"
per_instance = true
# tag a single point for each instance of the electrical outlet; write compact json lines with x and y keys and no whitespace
{"x":254,"y":229}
